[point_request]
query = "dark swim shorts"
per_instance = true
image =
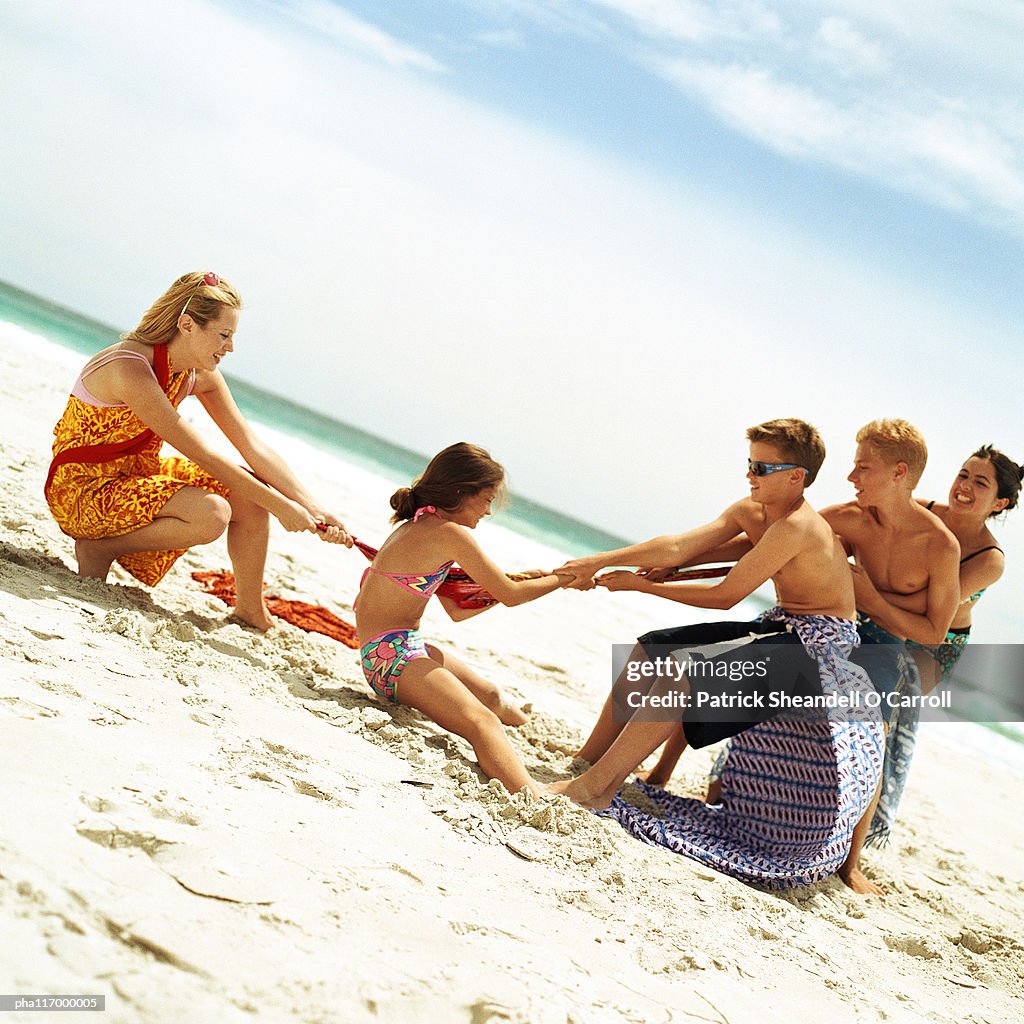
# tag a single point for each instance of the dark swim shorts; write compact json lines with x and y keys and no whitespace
{"x":788,"y":668}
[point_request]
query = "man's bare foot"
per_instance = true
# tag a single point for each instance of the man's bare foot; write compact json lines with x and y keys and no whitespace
{"x":714,"y":793}
{"x":653,"y":777}
{"x":857,"y":881}
{"x":94,"y":560}
{"x":578,"y":792}
{"x":509,"y":714}
{"x":258,"y":619}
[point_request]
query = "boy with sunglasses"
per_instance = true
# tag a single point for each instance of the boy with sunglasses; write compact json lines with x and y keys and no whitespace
{"x":775,"y":534}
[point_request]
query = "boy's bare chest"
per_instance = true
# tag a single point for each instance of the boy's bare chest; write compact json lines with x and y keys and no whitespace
{"x":896,"y":562}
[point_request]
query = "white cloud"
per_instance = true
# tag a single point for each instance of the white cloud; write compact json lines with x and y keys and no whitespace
{"x":960,"y":42}
{"x":919,"y":97}
{"x":569,"y":18}
{"x":753,"y":100}
{"x":337,"y":24}
{"x":947,"y":153}
{"x":672,"y":19}
{"x":850,"y":50}
{"x":696,"y":20}
{"x":508,"y":38}
{"x":972,"y":154}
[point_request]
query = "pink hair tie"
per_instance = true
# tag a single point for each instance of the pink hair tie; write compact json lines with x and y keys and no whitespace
{"x":210,"y":279}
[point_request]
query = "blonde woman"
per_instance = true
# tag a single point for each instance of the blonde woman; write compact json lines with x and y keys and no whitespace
{"x":111,"y":490}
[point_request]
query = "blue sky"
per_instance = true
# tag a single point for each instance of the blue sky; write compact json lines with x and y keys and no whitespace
{"x":617,"y":232}
{"x":882,"y":126}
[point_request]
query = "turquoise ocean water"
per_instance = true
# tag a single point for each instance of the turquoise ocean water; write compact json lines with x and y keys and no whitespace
{"x":71,"y":330}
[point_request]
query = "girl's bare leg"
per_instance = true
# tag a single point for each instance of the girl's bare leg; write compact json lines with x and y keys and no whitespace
{"x":445,"y":699}
{"x":248,"y":535}
{"x":191,"y":516}
{"x":597,"y":786}
{"x":483,"y":689}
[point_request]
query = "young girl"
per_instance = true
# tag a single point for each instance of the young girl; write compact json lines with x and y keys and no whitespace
{"x":438,"y":514}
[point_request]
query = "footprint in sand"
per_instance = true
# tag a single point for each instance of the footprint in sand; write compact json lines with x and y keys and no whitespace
{"x":308,"y":789}
{"x":26,"y":709}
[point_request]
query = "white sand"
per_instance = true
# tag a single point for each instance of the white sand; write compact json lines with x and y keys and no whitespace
{"x":206,"y":825}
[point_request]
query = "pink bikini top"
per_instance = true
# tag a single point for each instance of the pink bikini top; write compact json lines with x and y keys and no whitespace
{"x":83,"y":394}
{"x":424,"y":585}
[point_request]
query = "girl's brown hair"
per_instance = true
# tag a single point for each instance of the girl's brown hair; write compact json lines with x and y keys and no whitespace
{"x":457,"y":473}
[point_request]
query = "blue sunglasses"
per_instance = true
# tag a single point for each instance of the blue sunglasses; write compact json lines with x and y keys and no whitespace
{"x":766,"y":468}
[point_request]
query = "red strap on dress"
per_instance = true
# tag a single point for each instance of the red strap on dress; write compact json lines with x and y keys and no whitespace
{"x":109,"y":452}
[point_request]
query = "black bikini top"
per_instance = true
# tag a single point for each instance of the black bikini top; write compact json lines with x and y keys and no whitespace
{"x":973,"y":554}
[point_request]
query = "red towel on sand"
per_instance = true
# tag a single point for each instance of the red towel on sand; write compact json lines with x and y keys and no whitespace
{"x":313,"y":618}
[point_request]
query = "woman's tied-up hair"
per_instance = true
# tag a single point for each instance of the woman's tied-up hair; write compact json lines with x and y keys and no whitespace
{"x":457,"y":473}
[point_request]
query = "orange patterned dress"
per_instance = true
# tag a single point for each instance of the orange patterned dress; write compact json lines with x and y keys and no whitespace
{"x":108,"y":477}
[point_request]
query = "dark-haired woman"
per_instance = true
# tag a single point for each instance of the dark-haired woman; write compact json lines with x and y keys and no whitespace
{"x":987,"y":485}
{"x":437,"y":516}
{"x":111,"y":490}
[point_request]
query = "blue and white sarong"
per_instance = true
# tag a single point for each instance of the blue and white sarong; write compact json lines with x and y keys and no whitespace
{"x":901,"y":739}
{"x":793,"y":788}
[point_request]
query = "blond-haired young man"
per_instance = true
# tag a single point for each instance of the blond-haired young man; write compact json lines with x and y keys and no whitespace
{"x":900,"y":551}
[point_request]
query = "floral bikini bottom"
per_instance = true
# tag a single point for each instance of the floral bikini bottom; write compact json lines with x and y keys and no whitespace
{"x":385,"y":656}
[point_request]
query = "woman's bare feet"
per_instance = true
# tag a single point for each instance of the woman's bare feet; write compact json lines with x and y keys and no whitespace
{"x":257,"y":618}
{"x":94,"y":558}
{"x":509,"y":714}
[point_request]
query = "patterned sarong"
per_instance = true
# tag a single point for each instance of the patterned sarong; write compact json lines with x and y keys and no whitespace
{"x":793,"y":788}
{"x":92,"y":500}
{"x":900,"y":741}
